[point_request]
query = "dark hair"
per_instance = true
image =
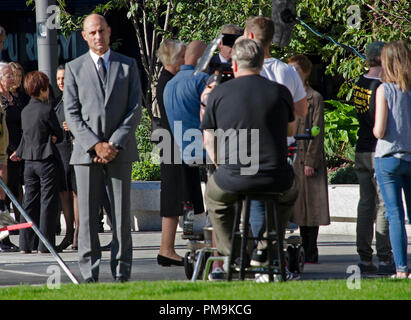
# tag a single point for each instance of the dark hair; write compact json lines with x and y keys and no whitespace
{"x":34,"y":82}
{"x":61,"y":67}
{"x":304,"y":63}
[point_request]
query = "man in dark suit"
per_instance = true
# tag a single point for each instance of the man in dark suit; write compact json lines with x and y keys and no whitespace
{"x":222,"y":61}
{"x":102,"y":107}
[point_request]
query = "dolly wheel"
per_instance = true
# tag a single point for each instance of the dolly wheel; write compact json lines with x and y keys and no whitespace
{"x":300,"y":259}
{"x":292,"y":259}
{"x":188,"y":265}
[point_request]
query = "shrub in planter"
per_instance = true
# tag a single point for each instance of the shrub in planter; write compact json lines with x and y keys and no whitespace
{"x":344,"y":174}
{"x":146,"y":169}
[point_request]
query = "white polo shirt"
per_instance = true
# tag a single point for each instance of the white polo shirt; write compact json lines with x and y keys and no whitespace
{"x":278,"y":71}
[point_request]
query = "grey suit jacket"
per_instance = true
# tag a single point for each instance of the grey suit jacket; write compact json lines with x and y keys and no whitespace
{"x":94,"y":114}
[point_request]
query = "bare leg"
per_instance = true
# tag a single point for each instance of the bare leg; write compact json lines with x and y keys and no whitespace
{"x":67,"y":206}
{"x":76,"y":219}
{"x":168,"y":236}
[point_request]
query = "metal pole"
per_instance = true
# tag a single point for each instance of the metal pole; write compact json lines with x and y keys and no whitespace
{"x":46,"y":26}
{"x":39,"y":234}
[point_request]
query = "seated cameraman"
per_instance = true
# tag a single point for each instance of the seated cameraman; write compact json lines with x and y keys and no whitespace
{"x":247,"y":104}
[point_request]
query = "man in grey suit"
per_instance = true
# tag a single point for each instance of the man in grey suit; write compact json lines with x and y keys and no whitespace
{"x":102,"y":96}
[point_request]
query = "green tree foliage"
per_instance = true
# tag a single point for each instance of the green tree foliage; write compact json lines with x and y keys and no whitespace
{"x":382,"y":20}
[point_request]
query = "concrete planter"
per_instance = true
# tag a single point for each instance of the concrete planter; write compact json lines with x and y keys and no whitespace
{"x":343,"y":201}
{"x":145,"y":207}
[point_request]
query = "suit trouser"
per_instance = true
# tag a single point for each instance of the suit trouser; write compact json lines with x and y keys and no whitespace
{"x":40,"y":202}
{"x":90,"y":179}
{"x":370,"y":210}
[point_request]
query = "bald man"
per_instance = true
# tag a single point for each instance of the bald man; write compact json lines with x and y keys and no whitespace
{"x":102,"y":98}
{"x":182,"y":104}
{"x":182,"y":98}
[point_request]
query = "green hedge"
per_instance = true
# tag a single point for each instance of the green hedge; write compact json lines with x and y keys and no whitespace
{"x":146,"y":169}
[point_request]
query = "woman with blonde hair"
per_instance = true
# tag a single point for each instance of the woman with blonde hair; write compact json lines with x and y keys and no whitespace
{"x":171,"y":54}
{"x":393,"y":151}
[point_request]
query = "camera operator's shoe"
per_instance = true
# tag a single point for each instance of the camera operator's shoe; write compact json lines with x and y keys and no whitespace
{"x":263,"y":278}
{"x":259,"y":258}
{"x":217,"y":274}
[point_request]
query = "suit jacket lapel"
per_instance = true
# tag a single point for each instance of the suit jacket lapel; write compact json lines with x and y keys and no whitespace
{"x":114,"y":65}
{"x":94,"y":77}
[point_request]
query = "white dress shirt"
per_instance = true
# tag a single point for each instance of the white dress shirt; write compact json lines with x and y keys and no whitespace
{"x":105,"y":57}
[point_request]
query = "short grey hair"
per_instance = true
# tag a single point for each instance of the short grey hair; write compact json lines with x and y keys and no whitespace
{"x":231,"y":29}
{"x":169,"y":50}
{"x":3,"y":65}
{"x":248,"y":54}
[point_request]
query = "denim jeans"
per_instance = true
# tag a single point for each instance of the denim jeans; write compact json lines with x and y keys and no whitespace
{"x":393,"y":176}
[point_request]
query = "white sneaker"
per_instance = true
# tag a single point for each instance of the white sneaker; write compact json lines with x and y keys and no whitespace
{"x":263,"y":277}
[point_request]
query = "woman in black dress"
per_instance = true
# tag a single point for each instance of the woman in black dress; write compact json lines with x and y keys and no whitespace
{"x":41,"y":131}
{"x":67,"y":183}
{"x":171,"y":54}
{"x":13,"y":108}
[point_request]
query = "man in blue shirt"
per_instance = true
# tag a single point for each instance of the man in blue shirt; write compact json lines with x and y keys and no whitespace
{"x":182,"y":104}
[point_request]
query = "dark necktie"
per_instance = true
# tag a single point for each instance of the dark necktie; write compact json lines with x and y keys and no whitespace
{"x":102,"y":70}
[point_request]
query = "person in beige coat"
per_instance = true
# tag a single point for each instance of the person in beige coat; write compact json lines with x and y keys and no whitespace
{"x":311,"y":208}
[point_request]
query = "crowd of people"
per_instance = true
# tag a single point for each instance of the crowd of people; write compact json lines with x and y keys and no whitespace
{"x":73,"y":153}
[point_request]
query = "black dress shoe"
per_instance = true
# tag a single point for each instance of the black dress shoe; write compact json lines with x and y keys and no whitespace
{"x":90,"y":280}
{"x":121,"y":279}
{"x":167,"y":262}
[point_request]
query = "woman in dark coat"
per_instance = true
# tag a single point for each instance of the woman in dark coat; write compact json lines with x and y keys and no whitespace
{"x":67,"y":183}
{"x":41,"y":131}
{"x":311,"y":208}
{"x":175,"y":188}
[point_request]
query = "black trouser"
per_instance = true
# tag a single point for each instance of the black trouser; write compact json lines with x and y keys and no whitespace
{"x":309,"y":236}
{"x":40,"y":202}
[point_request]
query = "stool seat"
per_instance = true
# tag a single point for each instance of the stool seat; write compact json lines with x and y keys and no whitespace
{"x":241,"y":230}
{"x":261,"y":196}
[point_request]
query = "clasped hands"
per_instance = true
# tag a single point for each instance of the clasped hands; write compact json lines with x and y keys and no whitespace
{"x":105,"y":151}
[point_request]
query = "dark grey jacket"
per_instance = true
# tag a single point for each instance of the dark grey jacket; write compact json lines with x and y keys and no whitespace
{"x":95,"y":113}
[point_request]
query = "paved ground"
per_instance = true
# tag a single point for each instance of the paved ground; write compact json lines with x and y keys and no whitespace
{"x":337,"y":253}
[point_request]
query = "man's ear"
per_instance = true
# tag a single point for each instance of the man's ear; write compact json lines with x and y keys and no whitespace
{"x":235,"y":66}
{"x":84,"y":35}
{"x":248,"y":35}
